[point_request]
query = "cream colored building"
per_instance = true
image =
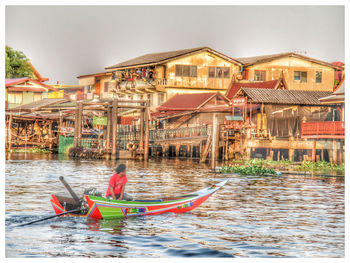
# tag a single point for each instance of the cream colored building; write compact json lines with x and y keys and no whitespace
{"x":159,"y":76}
{"x":300,"y":72}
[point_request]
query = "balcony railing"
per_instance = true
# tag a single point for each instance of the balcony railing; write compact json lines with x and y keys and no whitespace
{"x":323,"y":129}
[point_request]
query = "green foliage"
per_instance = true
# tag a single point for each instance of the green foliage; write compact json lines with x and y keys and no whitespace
{"x":321,"y":166}
{"x":32,"y":150}
{"x":262,"y":162}
{"x":16,"y":64}
{"x":248,"y":170}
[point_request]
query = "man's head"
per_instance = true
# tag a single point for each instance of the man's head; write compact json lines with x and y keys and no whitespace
{"x":121,"y":169}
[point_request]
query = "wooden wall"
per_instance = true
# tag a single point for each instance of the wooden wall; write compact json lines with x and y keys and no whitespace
{"x":290,"y":64}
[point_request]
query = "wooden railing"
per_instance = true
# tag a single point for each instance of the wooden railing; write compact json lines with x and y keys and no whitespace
{"x":323,"y":129}
{"x":180,"y":133}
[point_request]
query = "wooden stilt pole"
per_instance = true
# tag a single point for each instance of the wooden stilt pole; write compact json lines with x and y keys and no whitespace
{"x":76,"y":125}
{"x":147,"y":112}
{"x":142,"y":125}
{"x":60,"y":125}
{"x":314,"y":151}
{"x":50,"y":134}
{"x":335,"y":157}
{"x":10,"y":134}
{"x":80,"y":120}
{"x":114,"y":128}
{"x":109,"y":125}
{"x":214,"y":141}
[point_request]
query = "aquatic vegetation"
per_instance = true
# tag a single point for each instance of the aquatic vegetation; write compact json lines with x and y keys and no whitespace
{"x":304,"y":166}
{"x":31,"y":150}
{"x":321,"y":165}
{"x":248,"y":170}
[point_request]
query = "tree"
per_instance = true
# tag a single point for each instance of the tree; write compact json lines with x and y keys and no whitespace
{"x":16,"y":64}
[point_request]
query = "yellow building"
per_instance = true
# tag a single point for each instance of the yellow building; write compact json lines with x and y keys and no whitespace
{"x":159,"y":76}
{"x":300,"y":72}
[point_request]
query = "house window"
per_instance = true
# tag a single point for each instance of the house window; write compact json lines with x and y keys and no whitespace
{"x":160,"y":98}
{"x":318,"y":77}
{"x":15,"y":98}
{"x":300,"y":76}
{"x":259,"y":75}
{"x":140,"y":97}
{"x":37,"y":96}
{"x":186,"y":71}
{"x":130,"y":97}
{"x":219,"y":72}
{"x":211,"y":72}
{"x":105,"y":87}
{"x":149,"y":97}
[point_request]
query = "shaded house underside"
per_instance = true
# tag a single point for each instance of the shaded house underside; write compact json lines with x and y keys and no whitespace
{"x":286,"y":109}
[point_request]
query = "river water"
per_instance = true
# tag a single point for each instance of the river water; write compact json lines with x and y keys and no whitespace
{"x":288,"y":216}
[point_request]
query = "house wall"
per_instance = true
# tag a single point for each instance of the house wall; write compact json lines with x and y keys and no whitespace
{"x":290,"y":64}
{"x":201,"y":83}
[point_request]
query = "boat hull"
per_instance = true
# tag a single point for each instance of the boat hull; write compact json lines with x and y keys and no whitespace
{"x":102,"y":208}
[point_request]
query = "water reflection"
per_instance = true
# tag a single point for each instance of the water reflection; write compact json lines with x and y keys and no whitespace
{"x":288,"y":216}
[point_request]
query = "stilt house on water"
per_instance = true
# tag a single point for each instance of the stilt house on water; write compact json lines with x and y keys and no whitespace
{"x":276,"y":125}
{"x":185,"y":124}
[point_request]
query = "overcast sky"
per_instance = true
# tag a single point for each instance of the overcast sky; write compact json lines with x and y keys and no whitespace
{"x":66,"y":41}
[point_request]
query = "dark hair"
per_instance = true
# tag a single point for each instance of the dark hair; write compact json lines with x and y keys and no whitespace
{"x":121,"y":168}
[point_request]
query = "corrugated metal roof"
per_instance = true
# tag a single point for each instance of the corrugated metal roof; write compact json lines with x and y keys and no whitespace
{"x":38,"y":104}
{"x":294,"y":97}
{"x":185,"y":101}
{"x":257,"y":85}
{"x":156,"y":58}
{"x":246,"y":61}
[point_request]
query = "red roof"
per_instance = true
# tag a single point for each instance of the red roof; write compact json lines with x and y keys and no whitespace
{"x":30,"y":89}
{"x":12,"y":82}
{"x":338,"y":64}
{"x":257,"y":85}
{"x":185,"y":101}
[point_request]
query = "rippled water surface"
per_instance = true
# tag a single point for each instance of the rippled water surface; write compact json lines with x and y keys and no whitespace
{"x":288,"y":216}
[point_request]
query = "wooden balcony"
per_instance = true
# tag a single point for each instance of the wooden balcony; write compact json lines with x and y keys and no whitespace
{"x":323,"y":130}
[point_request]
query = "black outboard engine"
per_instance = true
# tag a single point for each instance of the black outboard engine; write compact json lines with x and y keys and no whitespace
{"x":92,"y":191}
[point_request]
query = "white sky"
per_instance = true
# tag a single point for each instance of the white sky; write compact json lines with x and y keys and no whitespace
{"x":66,"y":41}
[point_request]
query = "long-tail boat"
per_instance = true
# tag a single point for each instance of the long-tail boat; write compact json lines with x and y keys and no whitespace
{"x":101,"y":208}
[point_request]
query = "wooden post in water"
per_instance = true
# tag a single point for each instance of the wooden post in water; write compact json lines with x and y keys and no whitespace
{"x":76,"y":125}
{"x":142,"y":125}
{"x":214,"y":141}
{"x":147,"y":130}
{"x":109,"y":125}
{"x":7,"y":133}
{"x":60,"y":124}
{"x":80,"y":119}
{"x":10,"y":133}
{"x":114,"y":128}
{"x":50,"y":134}
{"x":334,"y":153}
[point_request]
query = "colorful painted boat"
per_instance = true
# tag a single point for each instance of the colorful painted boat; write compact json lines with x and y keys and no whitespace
{"x":102,"y":208}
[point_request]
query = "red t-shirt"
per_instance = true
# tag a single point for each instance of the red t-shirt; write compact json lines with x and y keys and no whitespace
{"x":116,"y":182}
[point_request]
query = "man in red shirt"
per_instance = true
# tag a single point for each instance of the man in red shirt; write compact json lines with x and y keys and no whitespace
{"x":117,"y":184}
